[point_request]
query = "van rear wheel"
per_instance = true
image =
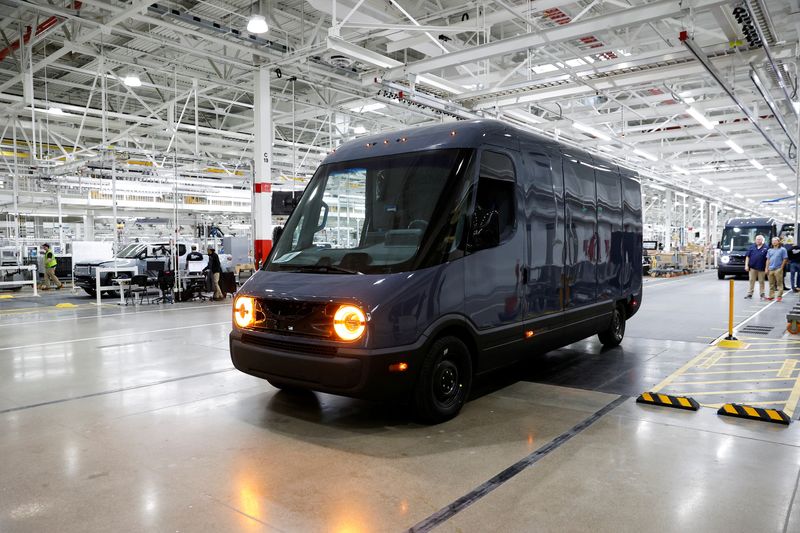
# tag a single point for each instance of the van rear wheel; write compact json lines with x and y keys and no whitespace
{"x":720,"y":275}
{"x":444,"y":381}
{"x":616,"y":330}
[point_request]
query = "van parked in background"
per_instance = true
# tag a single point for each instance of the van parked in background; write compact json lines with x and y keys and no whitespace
{"x":737,"y":236}
{"x":451,"y":250}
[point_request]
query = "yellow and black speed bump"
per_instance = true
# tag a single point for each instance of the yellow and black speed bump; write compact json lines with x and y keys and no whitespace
{"x":665,"y":400}
{"x":754,"y":413}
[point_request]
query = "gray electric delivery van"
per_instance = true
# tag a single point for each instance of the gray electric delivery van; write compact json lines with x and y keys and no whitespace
{"x":416,"y":260}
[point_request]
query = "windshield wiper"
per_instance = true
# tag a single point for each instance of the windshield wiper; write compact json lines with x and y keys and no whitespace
{"x":323,"y":268}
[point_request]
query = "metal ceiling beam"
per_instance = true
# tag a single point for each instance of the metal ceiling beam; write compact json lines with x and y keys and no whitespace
{"x":720,"y":79}
{"x":609,"y":22}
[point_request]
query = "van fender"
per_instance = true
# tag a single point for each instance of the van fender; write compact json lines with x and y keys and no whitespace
{"x":453,"y":322}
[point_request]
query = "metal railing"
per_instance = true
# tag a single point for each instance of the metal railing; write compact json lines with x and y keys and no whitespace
{"x":33,"y":281}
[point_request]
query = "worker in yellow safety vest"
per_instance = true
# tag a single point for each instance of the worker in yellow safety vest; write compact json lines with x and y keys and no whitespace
{"x":50,"y":268}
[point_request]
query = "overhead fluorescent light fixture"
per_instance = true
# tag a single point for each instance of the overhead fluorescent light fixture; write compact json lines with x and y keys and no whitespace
{"x":132,"y":80}
{"x":756,"y":164}
{"x":680,"y":170}
{"x":359,"y":130}
{"x":656,"y":187}
{"x":55,"y":111}
{"x":591,"y":131}
{"x":783,"y":186}
{"x":366,"y":108}
{"x":735,"y":147}
{"x":706,"y":181}
{"x":772,"y":176}
{"x":701,"y":118}
{"x":439,"y":84}
{"x":524,"y":116}
{"x":725,"y":189}
{"x":750,"y":201}
{"x":257,"y":24}
{"x":646,"y":155}
{"x":737,"y":195}
{"x":362,"y":54}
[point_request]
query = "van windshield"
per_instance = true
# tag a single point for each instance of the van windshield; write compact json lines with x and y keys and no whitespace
{"x":739,"y":238}
{"x":375,"y":215}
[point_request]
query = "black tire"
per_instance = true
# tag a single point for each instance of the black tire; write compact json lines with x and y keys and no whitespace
{"x":91,"y":292}
{"x":616,"y":331}
{"x":444,"y":381}
{"x":720,"y":275}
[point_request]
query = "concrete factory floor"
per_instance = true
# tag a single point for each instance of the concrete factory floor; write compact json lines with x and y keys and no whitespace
{"x":133,"y":419}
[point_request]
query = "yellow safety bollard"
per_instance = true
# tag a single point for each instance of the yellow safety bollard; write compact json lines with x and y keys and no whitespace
{"x":730,"y":341}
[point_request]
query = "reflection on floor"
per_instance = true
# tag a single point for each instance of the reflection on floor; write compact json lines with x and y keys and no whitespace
{"x":132,"y":419}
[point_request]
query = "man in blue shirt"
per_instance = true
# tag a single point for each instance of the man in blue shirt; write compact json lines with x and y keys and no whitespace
{"x":755,"y":264}
{"x":777,"y":257}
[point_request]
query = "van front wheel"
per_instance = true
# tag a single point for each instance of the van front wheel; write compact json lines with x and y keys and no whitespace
{"x":616,"y":330}
{"x":444,"y":381}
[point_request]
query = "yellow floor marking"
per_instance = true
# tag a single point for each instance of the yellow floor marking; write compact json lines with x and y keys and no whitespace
{"x":718,"y":405}
{"x":713,"y":358}
{"x":744,"y":391}
{"x":794,"y":349}
{"x":711,"y":372}
{"x":65,"y":305}
{"x":757,"y":356}
{"x":791,"y":403}
{"x":715,"y":382}
{"x":787,"y":368}
{"x":693,"y":362}
{"x":6,"y":296}
{"x":753,"y":363}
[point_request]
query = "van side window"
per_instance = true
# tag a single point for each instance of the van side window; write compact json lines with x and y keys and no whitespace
{"x":494,"y":215}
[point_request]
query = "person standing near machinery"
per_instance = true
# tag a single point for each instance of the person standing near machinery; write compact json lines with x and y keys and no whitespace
{"x":215,"y":270}
{"x":50,"y":268}
{"x":194,"y":255}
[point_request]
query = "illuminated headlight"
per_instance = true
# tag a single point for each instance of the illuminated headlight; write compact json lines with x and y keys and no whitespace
{"x":725,"y":259}
{"x":244,"y":311}
{"x":349,"y":322}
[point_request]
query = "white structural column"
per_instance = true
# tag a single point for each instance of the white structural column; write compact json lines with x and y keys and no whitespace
{"x":262,"y":175}
{"x":668,"y":208}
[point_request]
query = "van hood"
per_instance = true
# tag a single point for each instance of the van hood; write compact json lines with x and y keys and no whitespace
{"x":369,"y":290}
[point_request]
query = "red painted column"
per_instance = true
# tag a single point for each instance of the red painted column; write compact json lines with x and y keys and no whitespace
{"x":262,"y":176}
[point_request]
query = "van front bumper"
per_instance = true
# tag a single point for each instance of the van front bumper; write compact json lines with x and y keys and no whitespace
{"x":326,"y":367}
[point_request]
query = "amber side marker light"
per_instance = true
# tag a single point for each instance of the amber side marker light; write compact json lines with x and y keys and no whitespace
{"x":349,"y":322}
{"x":398,"y":367}
{"x":529,"y":333}
{"x":243,"y":311}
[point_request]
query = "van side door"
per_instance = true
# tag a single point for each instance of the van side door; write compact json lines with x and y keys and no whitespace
{"x":632,"y":234}
{"x":544,"y":212}
{"x":580,"y":197}
{"x":609,"y":231}
{"x":494,"y":259}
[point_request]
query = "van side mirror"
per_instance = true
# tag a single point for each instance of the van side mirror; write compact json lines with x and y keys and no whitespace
{"x":484,"y":230}
{"x":277,"y":231}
